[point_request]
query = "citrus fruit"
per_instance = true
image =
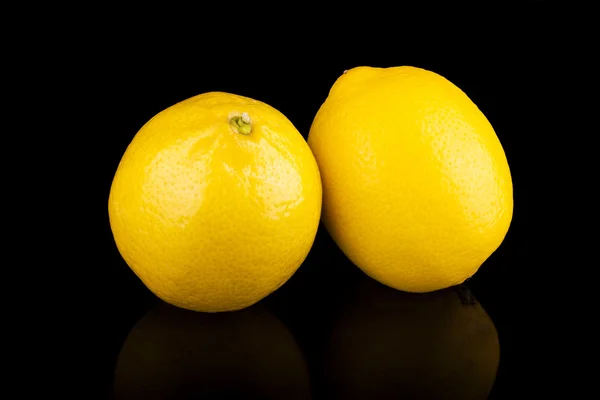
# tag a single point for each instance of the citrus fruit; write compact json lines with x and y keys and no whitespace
{"x":215,"y":202}
{"x":417,"y":190}
{"x":172,"y":353}
{"x":389,"y":344}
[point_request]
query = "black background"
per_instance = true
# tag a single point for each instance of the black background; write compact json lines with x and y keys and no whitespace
{"x":500,"y":57}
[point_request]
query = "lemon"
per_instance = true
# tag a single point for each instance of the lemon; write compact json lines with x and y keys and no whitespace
{"x":216,"y":202}
{"x":417,"y":190}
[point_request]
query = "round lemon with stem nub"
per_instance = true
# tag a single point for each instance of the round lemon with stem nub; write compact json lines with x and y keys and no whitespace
{"x":216,"y":202}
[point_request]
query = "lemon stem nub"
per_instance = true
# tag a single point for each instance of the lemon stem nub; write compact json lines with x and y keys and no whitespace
{"x":242,"y":124}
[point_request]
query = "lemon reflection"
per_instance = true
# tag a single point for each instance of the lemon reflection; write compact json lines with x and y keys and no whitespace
{"x":173,"y":353}
{"x":389,"y":344}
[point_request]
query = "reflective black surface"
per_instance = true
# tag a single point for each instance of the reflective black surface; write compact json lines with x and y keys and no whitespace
{"x":383,"y":344}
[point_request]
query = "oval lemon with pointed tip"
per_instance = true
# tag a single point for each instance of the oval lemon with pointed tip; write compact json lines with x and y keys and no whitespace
{"x":417,"y":190}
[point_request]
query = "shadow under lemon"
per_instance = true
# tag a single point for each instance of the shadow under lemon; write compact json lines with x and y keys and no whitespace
{"x":172,"y":353}
{"x":390,"y":344}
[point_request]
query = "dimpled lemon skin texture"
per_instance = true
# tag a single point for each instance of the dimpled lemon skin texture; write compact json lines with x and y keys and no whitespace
{"x":417,"y":190}
{"x":211,"y":219}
